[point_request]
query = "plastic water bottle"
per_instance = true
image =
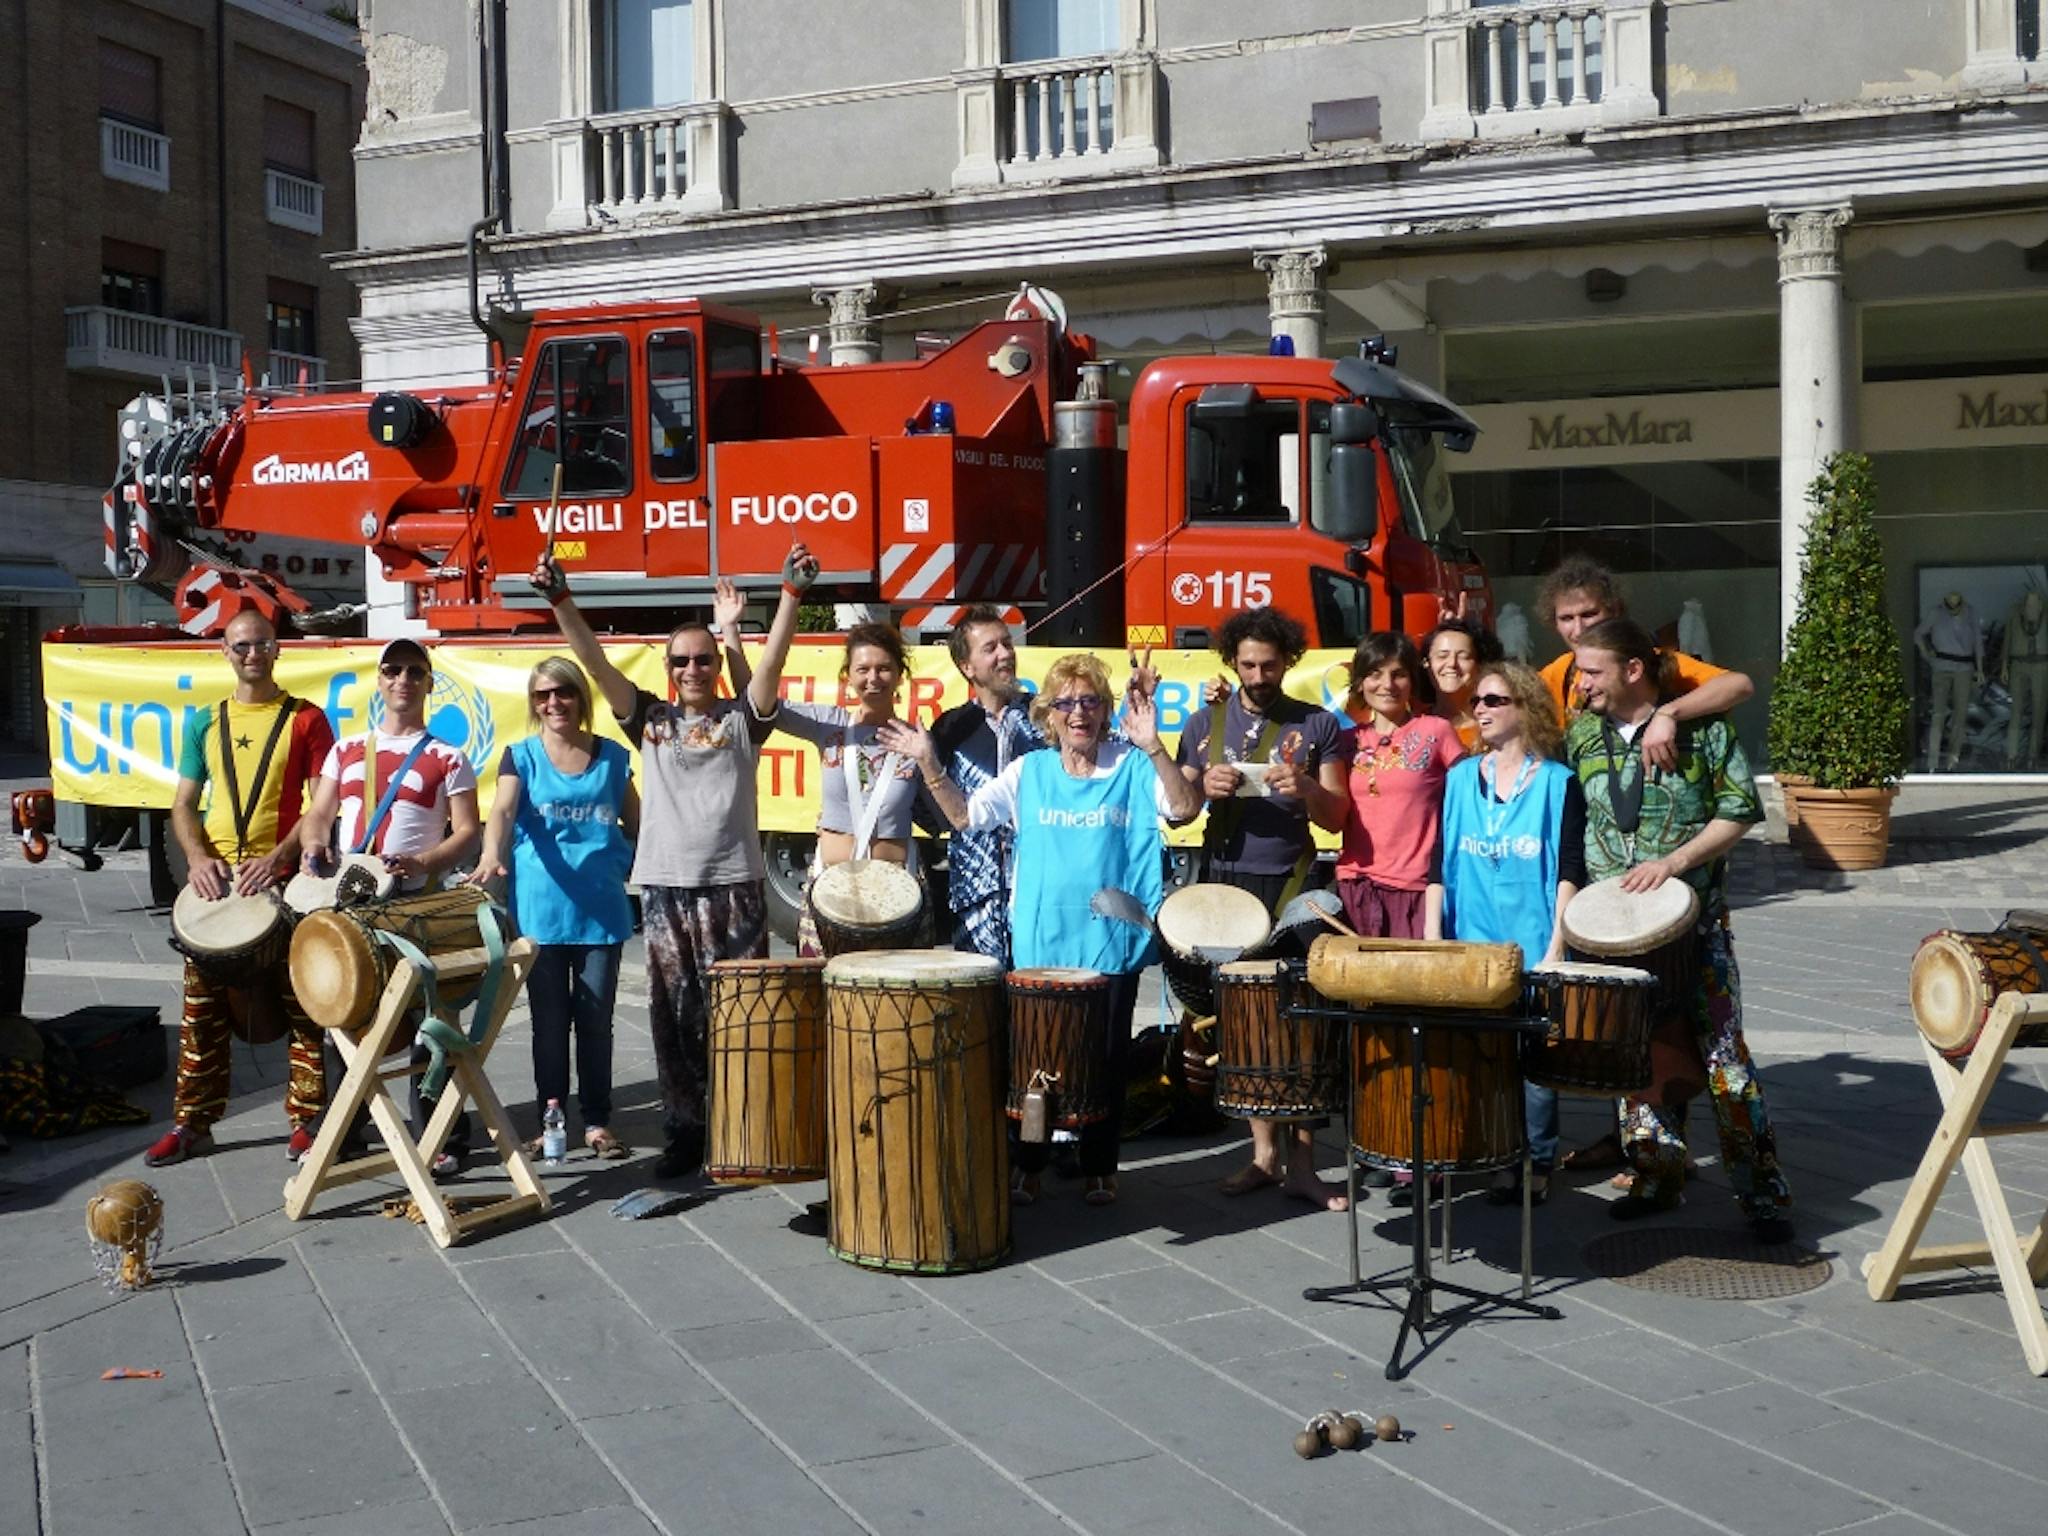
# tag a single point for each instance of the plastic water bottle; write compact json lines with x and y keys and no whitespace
{"x":554,"y":1134}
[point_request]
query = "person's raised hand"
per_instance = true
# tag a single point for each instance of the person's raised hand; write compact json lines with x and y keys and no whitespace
{"x":799,"y":569}
{"x":906,"y":740}
{"x":1215,"y":691}
{"x":1144,"y":676}
{"x":727,"y":605}
{"x":548,"y":578}
{"x":1141,"y":718}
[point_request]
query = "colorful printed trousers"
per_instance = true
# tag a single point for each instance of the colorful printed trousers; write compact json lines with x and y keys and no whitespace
{"x":1654,"y":1136}
{"x":205,"y":1059}
{"x":688,"y":928}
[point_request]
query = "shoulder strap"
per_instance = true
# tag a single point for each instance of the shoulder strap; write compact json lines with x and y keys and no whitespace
{"x":1225,"y":815}
{"x":244,"y":810}
{"x":370,"y":826}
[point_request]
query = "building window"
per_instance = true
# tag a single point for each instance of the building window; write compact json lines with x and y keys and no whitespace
{"x":131,"y":86}
{"x":575,"y":416}
{"x":1060,"y":29}
{"x":131,"y":277}
{"x":292,"y":316}
{"x":646,"y":52}
{"x":1244,"y":460}
{"x":288,"y":138}
{"x":672,"y":406}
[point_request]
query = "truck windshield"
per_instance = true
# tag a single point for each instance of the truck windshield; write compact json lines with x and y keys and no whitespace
{"x":1425,"y":484}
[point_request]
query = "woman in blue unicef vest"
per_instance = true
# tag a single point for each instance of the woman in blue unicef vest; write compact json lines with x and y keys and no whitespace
{"x":566,"y":805}
{"x":1086,"y":817}
{"x":1513,"y":852}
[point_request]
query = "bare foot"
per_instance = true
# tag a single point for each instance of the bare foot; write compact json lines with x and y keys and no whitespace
{"x":1317,"y":1192}
{"x":1247,"y":1179}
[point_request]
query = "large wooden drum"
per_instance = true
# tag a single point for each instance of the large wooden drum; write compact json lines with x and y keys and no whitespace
{"x":340,"y":966}
{"x":1656,"y":931}
{"x":1059,"y":1043}
{"x":1201,"y":926}
{"x":1958,"y":976}
{"x":1473,"y":1120}
{"x":1270,"y":1066}
{"x":1599,"y":1038}
{"x":865,"y":904}
{"x":920,"y":1164}
{"x":767,"y":1071}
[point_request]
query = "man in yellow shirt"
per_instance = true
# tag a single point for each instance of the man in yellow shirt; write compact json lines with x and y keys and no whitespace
{"x":1581,"y":593}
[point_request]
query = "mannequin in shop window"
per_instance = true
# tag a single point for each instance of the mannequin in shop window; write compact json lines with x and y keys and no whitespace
{"x":1951,"y":642}
{"x":2024,"y":672}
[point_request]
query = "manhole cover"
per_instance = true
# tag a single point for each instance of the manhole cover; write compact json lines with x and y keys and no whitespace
{"x":1705,"y":1264}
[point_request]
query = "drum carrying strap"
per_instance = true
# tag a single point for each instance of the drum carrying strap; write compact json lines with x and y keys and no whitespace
{"x":390,"y":795}
{"x":1223,"y":818}
{"x":245,"y":809}
{"x":865,"y":813}
{"x":441,"y":1038}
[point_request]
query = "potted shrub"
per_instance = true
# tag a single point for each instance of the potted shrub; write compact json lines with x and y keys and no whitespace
{"x":1840,"y":708}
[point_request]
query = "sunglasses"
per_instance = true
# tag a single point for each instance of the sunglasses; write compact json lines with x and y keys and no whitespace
{"x":1492,"y":700}
{"x":252,"y":647}
{"x":1089,"y":702}
{"x":413,"y":670}
{"x":542,"y":695}
{"x":681,"y":660}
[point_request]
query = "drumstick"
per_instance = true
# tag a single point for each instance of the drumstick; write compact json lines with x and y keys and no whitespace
{"x":1337,"y":923}
{"x":554,"y":511}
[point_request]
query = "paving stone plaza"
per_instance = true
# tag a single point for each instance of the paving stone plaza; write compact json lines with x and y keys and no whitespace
{"x":1135,"y":1369}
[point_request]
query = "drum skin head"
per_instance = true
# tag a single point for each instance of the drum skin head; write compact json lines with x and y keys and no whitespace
{"x":229,"y":923}
{"x":911,"y":968}
{"x":1586,"y":970}
{"x":1055,"y":976}
{"x":1603,"y":919}
{"x":795,"y":965}
{"x":333,"y":973}
{"x":866,"y":893}
{"x":1948,"y":990}
{"x":1207,"y":917}
{"x":362,"y":873}
{"x":1252,"y":970}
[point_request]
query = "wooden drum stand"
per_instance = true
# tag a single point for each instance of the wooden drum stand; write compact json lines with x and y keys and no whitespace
{"x":364,"y":1051}
{"x":1961,"y":1137}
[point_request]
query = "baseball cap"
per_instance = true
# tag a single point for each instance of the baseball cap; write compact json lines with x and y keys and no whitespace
{"x":404,"y":649}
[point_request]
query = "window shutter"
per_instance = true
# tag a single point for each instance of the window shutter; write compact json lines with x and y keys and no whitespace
{"x":131,"y":85}
{"x":288,"y":137}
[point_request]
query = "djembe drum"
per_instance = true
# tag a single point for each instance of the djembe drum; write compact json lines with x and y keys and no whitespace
{"x":1656,"y":931}
{"x":340,"y":965}
{"x":1599,"y":1037}
{"x":1271,"y":1066}
{"x":767,"y":1054}
{"x":1059,"y":1044}
{"x":237,"y":941}
{"x":866,"y":904}
{"x":915,"y":1084}
{"x":1956,"y":977}
{"x":1201,"y":926}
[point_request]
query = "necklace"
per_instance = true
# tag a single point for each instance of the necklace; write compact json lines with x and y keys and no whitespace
{"x":1380,"y":754}
{"x":1498,"y":807}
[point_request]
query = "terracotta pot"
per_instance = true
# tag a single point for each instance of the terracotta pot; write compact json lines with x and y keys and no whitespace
{"x":1787,"y":783}
{"x":1843,"y":828}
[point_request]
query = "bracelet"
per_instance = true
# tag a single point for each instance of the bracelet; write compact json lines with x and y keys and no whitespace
{"x":557,"y":598}
{"x":790,"y":590}
{"x":932,"y":783}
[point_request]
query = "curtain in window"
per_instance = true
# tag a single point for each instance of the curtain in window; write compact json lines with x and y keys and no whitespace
{"x":1059,"y":29}
{"x":650,"y":54}
{"x":130,"y":87}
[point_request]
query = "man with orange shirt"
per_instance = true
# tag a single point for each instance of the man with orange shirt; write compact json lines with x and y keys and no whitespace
{"x":1581,"y":593}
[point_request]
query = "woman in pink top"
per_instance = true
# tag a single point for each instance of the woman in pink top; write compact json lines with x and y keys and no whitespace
{"x":1398,"y":763}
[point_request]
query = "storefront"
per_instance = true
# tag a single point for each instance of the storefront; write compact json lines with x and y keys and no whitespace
{"x":1679,"y":493}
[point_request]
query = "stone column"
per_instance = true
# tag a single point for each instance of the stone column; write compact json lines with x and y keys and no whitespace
{"x":1816,"y":387}
{"x":854,"y":337}
{"x":1294,"y":295}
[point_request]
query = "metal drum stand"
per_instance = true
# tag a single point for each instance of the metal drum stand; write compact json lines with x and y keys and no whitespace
{"x":1418,"y":1311}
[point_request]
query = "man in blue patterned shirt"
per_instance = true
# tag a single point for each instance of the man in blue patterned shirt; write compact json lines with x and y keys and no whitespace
{"x":976,"y":741}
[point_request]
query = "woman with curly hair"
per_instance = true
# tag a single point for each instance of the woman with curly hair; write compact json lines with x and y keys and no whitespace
{"x":1086,"y":817}
{"x":1513,"y":852}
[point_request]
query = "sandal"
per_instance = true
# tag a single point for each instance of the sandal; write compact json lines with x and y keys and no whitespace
{"x":1604,"y":1153}
{"x":605,"y":1144}
{"x":1101,"y":1190}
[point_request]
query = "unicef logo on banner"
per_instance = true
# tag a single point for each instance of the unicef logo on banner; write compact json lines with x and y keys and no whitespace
{"x":457,"y":713}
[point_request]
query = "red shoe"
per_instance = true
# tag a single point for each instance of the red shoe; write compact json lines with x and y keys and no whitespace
{"x":177,"y":1144}
{"x":300,"y":1144}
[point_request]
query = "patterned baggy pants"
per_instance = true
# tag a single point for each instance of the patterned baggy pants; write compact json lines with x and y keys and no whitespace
{"x":687,"y":928}
{"x":1654,"y":1136}
{"x":205,"y":1055}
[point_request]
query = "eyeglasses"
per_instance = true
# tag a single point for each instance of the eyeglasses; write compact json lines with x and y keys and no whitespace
{"x":413,"y":670}
{"x":1090,"y":702}
{"x":1493,"y":700}
{"x":681,"y":660}
{"x":566,"y":695}
{"x":252,"y":647}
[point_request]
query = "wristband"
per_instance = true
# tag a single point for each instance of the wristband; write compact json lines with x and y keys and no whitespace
{"x":792,"y":591}
{"x":558,"y":597}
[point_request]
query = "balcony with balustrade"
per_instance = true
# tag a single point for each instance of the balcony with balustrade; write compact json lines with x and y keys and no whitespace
{"x":625,"y":166}
{"x":119,"y":343}
{"x":1051,"y":119}
{"x":1508,"y":68}
{"x":293,"y":370}
{"x":140,"y":156}
{"x":293,"y":202}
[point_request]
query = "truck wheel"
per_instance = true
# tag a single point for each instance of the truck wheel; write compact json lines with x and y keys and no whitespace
{"x":167,"y":867}
{"x":788,"y":857}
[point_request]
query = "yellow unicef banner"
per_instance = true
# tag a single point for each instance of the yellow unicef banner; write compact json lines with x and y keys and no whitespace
{"x":118,"y":714}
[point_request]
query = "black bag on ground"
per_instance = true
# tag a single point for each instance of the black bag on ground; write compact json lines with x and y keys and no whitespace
{"x":120,"y":1044}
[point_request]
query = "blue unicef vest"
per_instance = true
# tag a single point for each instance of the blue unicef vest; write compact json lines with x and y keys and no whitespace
{"x":1500,"y":861}
{"x":1075,"y":836}
{"x":569,"y":857}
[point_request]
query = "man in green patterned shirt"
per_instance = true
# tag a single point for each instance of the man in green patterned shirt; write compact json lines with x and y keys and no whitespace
{"x":1679,"y":824}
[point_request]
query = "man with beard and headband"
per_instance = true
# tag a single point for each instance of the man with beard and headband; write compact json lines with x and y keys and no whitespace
{"x":1266,"y":845}
{"x":976,"y":741}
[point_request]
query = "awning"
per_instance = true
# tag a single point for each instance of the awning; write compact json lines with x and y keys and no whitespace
{"x":38,"y":584}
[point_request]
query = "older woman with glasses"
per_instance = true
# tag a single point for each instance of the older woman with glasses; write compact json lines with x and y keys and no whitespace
{"x":1086,"y":817}
{"x":1513,"y":852}
{"x":565,"y":814}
